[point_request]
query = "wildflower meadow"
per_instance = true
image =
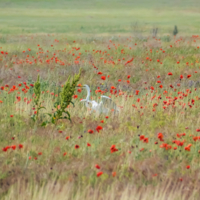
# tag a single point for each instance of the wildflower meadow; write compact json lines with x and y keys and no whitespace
{"x":54,"y":145}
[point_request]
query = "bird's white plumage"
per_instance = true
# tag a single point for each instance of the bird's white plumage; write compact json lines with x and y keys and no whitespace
{"x":98,"y":107}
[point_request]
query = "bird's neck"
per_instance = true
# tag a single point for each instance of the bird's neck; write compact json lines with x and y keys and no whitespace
{"x":88,"y":95}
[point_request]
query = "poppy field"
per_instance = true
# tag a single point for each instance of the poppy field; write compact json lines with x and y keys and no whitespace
{"x":151,"y":144}
{"x":55,"y":147}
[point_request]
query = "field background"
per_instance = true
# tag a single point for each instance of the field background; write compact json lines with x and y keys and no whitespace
{"x":55,"y":39}
{"x":98,"y":16}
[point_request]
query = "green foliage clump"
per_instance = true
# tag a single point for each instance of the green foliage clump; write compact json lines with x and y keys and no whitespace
{"x":68,"y":91}
{"x":175,"y":32}
{"x":37,"y":90}
{"x":37,"y":102}
{"x":66,"y":98}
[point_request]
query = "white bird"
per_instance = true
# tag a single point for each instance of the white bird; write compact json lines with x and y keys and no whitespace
{"x":98,"y":107}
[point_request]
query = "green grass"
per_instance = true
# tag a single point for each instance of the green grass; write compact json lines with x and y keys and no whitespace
{"x":98,"y":17}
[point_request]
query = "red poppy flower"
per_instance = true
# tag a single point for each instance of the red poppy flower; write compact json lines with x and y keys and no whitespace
{"x":154,"y":175}
{"x":100,"y":73}
{"x":179,"y":143}
{"x":137,"y":92}
{"x":142,"y":149}
{"x":99,"y":174}
{"x":88,"y":144}
{"x":146,"y":140}
{"x":160,"y":136}
{"x":79,"y":90}
{"x":187,"y":148}
{"x":103,"y":78}
{"x":67,"y":138}
{"x":97,"y":166}
{"x":98,"y":128}
{"x":65,"y":153}
{"x":113,"y":149}
{"x":128,"y":76}
{"x":5,"y":148}
{"x":76,"y":146}
{"x":188,"y":167}
{"x":181,"y":76}
{"x":40,"y":153}
{"x":119,"y":80}
{"x":20,"y":146}
{"x":170,"y":74}
{"x":90,"y":131}
{"x":13,"y":147}
{"x":102,"y":121}
{"x":188,"y":76}
{"x":142,"y":137}
{"x":113,"y":174}
{"x":107,"y":117}
{"x":75,"y":96}
{"x":11,"y":115}
{"x":195,"y":138}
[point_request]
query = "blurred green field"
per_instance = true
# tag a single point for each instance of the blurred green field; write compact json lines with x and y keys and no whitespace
{"x":98,"y":16}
